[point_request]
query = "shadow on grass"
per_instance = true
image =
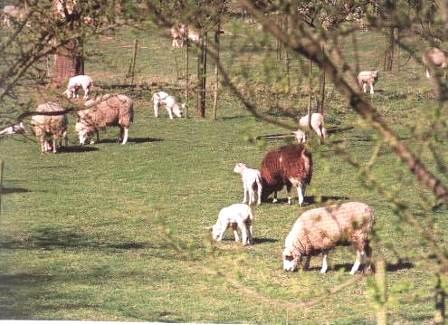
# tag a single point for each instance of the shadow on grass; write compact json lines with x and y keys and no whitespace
{"x":311,"y":200}
{"x":258,"y":240}
{"x":14,"y":190}
{"x":77,"y":149}
{"x":390,"y":267}
{"x":132,"y":140}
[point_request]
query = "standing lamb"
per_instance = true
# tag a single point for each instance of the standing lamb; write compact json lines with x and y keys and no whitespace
{"x":77,"y":82}
{"x":291,"y":165}
{"x":317,"y":124}
{"x":237,"y":216}
{"x":171,"y":105}
{"x":368,"y":78}
{"x":179,"y":34}
{"x":54,"y":126}
{"x":320,"y":230}
{"x":435,"y":58}
{"x":251,"y":180}
{"x":104,"y":111}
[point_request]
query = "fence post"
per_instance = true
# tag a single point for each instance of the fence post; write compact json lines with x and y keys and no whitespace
{"x":1,"y":183}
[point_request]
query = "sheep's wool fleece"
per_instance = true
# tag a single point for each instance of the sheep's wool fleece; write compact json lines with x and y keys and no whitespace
{"x":53,"y":124}
{"x":109,"y":110}
{"x":322,"y":228}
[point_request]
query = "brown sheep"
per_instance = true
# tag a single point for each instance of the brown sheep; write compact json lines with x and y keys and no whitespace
{"x":104,"y":111}
{"x":291,"y":165}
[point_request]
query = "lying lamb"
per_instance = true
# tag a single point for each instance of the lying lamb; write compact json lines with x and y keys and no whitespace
{"x":54,"y":126}
{"x":367,"y":78}
{"x":291,"y":165}
{"x":104,"y":111}
{"x":251,"y":179}
{"x":18,"y":128}
{"x":77,"y":82}
{"x":237,"y":216}
{"x":320,"y":230}
{"x":317,"y":124}
{"x":170,"y":103}
{"x":435,"y":58}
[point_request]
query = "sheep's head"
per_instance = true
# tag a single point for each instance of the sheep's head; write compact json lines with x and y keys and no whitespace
{"x":239,"y":167}
{"x":178,"y":110}
{"x":300,"y":136}
{"x":289,"y":261}
{"x":216,"y":232}
{"x":84,"y":131}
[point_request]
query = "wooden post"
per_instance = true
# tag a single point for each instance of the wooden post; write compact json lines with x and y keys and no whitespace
{"x":1,"y":183}
{"x":380,"y":281}
{"x":310,"y":95}
{"x":215,"y":94}
{"x":439,"y":317}
{"x":187,"y":80}
{"x":202,"y":74}
{"x":131,"y":71}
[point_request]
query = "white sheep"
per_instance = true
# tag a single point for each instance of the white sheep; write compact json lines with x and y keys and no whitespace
{"x":320,"y":230}
{"x":193,"y":35}
{"x":300,"y":136}
{"x":77,"y":82}
{"x":368,"y":78}
{"x":317,"y":124}
{"x":251,"y":179}
{"x":13,"y":129}
{"x":179,"y":34}
{"x":171,"y":105}
{"x":104,"y":111}
{"x":237,"y":216}
{"x":54,"y":126}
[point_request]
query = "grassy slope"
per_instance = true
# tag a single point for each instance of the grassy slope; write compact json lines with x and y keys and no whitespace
{"x":119,"y":232}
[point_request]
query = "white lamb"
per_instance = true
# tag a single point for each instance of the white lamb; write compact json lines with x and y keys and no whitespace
{"x":77,"y":82}
{"x":237,"y":216}
{"x":367,"y":78}
{"x":170,"y":103}
{"x":317,"y":124}
{"x":251,"y":179}
{"x":320,"y":230}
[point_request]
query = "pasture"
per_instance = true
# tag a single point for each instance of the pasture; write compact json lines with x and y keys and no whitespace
{"x":112,"y":232}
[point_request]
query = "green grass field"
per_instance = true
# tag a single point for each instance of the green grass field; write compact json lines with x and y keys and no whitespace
{"x":112,"y":232}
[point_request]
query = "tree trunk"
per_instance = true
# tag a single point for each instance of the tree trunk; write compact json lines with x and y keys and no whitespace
{"x":68,"y":62}
{"x":187,"y":80}
{"x":389,"y":53}
{"x":202,"y":75}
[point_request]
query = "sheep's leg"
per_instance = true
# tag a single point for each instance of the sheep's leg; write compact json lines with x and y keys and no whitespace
{"x":259,"y":189}
{"x":251,"y":194}
{"x":54,"y":144}
{"x":364,"y":87}
{"x":251,"y":231}
{"x":358,"y":261}
{"x":306,"y":265}
{"x":156,"y":109}
{"x":274,"y":200}
{"x":43,"y":146}
{"x":371,"y":89}
{"x":243,"y":229}
{"x":301,"y":193}
{"x":324,"y":263}
{"x":86,"y":93}
{"x":235,"y":232}
{"x":125,"y":135}
{"x":288,"y":189}
{"x":170,"y":113}
{"x":245,"y":193}
{"x":427,"y":73}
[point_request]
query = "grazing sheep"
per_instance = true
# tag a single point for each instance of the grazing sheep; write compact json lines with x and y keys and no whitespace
{"x":170,"y":103}
{"x":317,"y":124}
{"x":237,"y":216}
{"x":368,"y":78}
{"x":179,"y":34}
{"x":291,"y":165}
{"x":104,"y":111}
{"x":77,"y":82}
{"x":54,"y":126}
{"x":18,"y":128}
{"x":251,"y":179}
{"x":435,"y":58}
{"x":320,"y":230}
{"x":300,"y":136}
